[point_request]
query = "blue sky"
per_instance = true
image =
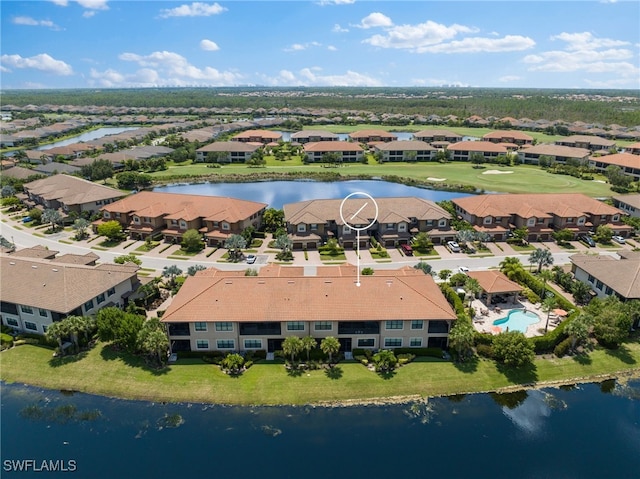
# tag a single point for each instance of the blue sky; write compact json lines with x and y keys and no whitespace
{"x":118,"y":43}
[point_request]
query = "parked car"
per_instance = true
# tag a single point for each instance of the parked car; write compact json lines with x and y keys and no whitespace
{"x":618,"y":239}
{"x":588,"y":240}
{"x":26,"y":219}
{"x":406,"y":249}
{"x":251,"y":259}
{"x":453,"y":246}
{"x":463,"y":269}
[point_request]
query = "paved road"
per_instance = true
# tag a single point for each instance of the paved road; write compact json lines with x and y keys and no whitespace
{"x":23,"y":238}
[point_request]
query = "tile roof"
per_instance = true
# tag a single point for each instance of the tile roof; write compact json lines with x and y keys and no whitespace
{"x":631,"y":200}
{"x":437,"y":134}
{"x":518,"y":135}
{"x":214,"y":208}
{"x":71,"y":190}
{"x":228,"y":146}
{"x":593,"y":140}
{"x":528,"y":205}
{"x":480,"y":146}
{"x":274,"y":135}
{"x":310,"y":133}
{"x":622,"y":275}
{"x":319,"y":146}
{"x":494,"y":282}
{"x":56,"y":286}
{"x":404,"y":145}
{"x":558,"y":150}
{"x":326,"y":298}
{"x":370,"y":133}
{"x":624,"y":160}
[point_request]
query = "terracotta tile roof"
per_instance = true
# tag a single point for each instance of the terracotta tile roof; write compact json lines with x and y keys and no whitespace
{"x":624,"y":160}
{"x":494,"y":282}
{"x":479,"y":146}
{"x":371,"y":133}
{"x":593,"y":140}
{"x":558,"y":150}
{"x":55,"y":286}
{"x":230,"y":146}
{"x":437,"y":134}
{"x":71,"y":190}
{"x":400,"y":209}
{"x":499,"y":134}
{"x":622,"y":275}
{"x":337,"y":298}
{"x":313,"y":133}
{"x":319,"y":146}
{"x":527,"y":205}
{"x":267,"y":134}
{"x":213,"y":208}
{"x":404,"y":145}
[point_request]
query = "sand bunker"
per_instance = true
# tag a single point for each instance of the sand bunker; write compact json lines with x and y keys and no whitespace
{"x":496,"y":172}
{"x":435,"y":179}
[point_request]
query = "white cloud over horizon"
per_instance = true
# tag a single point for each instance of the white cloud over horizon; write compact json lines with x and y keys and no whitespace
{"x":42,"y":62}
{"x":195,"y":9}
{"x":209,"y":45}
{"x":32,"y":22}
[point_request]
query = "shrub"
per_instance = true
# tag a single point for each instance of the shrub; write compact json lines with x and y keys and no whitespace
{"x":405,"y":358}
{"x":484,"y":350}
{"x":6,"y":339}
{"x":562,"y":347}
{"x":546,"y":343}
{"x":484,"y":339}
{"x":428,"y":352}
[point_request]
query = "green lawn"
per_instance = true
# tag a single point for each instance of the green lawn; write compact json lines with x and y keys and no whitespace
{"x":100,"y":371}
{"x":516,"y":179}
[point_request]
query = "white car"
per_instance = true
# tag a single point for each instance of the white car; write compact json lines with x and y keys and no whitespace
{"x":463,"y":269}
{"x":453,"y":246}
{"x":618,"y":239}
{"x":251,"y":259}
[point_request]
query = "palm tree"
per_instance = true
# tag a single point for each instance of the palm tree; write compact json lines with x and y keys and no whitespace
{"x":75,"y":325}
{"x":51,"y":216}
{"x":308,"y":343}
{"x":579,"y":329}
{"x":153,"y":341}
{"x":292,"y":345}
{"x":80,"y":226}
{"x":580,"y":292}
{"x":57,"y":332}
{"x":330,"y":346}
{"x":234,"y":244}
{"x":171,"y":272}
{"x":548,"y":304}
{"x":512,"y":268}
{"x":546,"y":275}
{"x":541,"y":257}
{"x":472,"y":286}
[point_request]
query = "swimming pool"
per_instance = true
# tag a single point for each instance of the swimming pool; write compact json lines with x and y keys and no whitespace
{"x":517,"y":320}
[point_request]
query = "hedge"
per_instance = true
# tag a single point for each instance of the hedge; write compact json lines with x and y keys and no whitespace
{"x":547,"y":343}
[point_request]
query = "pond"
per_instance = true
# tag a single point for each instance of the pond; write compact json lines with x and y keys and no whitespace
{"x":87,"y":136}
{"x":278,"y":193}
{"x":588,"y":431}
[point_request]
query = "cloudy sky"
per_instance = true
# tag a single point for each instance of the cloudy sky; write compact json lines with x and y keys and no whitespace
{"x":120,"y":43}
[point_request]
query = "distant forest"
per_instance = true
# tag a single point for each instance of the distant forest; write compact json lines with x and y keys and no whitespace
{"x":590,"y":106}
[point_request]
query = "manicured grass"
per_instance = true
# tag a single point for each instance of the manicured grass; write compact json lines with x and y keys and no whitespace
{"x":517,"y":247}
{"x":146,"y":247}
{"x":183,"y":252}
{"x":101,"y":371}
{"x":522,"y":179}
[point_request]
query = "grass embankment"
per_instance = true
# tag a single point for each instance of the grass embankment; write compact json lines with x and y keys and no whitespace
{"x":100,"y":371}
{"x":514,"y":179}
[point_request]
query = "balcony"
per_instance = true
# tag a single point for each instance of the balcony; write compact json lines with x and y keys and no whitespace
{"x":260,"y":329}
{"x":358,"y":327}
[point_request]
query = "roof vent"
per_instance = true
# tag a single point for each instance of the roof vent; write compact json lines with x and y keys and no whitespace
{"x":34,"y":266}
{"x":12,"y":262}
{"x":262,"y":281}
{"x":291,"y":281}
{"x":328,"y":281}
{"x":55,"y":270}
{"x":228,"y":282}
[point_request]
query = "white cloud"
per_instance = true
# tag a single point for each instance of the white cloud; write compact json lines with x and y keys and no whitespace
{"x":336,"y":2}
{"x":478,"y":44}
{"x":586,"y":41}
{"x":174,"y":69}
{"x":43,"y":62}
{"x":375,"y":19}
{"x":414,"y":37}
{"x":438,"y":82}
{"x":331,"y":48}
{"x":93,"y":4}
{"x":297,"y":47}
{"x":338,"y":29}
{"x":313,"y":77}
{"x":196,"y":9}
{"x":209,"y":45}
{"x":509,"y":78}
{"x":33,"y":22}
{"x":61,"y":3}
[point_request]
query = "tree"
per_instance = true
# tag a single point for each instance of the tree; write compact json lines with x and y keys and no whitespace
{"x":53,"y":217}
{"x":472,"y":287}
{"x":192,"y":240}
{"x":291,"y":346}
{"x":541,"y":257}
{"x":611,"y":326}
{"x":444,"y":274}
{"x":422,"y":242}
{"x":548,"y":304}
{"x":171,"y":272}
{"x":128,"y":258}
{"x":563,"y":236}
{"x":98,"y":170}
{"x":477,"y":158}
{"x":131,"y":180}
{"x":233,"y":363}
{"x":617,"y":177}
{"x":119,"y":327}
{"x":512,"y":268}
{"x":513,"y":349}
{"x":273,"y":219}
{"x":466,"y":236}
{"x":8,"y":191}
{"x":248,"y":233}
{"x":579,"y":328}
{"x":603,"y":234}
{"x":425,"y":267}
{"x":581,"y":292}
{"x":308,"y":343}
{"x":330,"y":346}
{"x":546,"y":276}
{"x":57,"y":331}
{"x":112,"y":230}
{"x":36,"y":215}
{"x":367,"y":271}
{"x":385,"y":361}
{"x":80,"y":227}
{"x":235,"y":243}
{"x":153,"y":341}
{"x":458,"y":279}
{"x":521,"y":234}
{"x":284,"y":243}
{"x":461,"y":338}
{"x":192,"y":270}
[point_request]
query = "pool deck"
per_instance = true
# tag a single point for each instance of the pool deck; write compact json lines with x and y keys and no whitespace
{"x":484,"y":322}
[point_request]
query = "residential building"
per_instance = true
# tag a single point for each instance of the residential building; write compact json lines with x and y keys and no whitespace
{"x":509,"y":136}
{"x":464,"y":150}
{"x":630,"y":204}
{"x":37,"y":291}
{"x":221,"y":312}
{"x":592,"y":143}
{"x":541,"y":214}
{"x":169,"y":215}
{"x":495,"y":284}
{"x":311,"y":223}
{"x":70,"y":194}
{"x":258,"y":136}
{"x":369,"y":136}
{"x":408,"y":150}
{"x":346,"y":151}
{"x":634,"y":149}
{"x":311,"y":136}
{"x":557,"y":153}
{"x":437,"y":136}
{"x":227,"y":151}
{"x":627,"y":162}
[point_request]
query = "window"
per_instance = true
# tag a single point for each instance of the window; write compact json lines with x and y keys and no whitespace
{"x":225,"y":344}
{"x":225,"y":226}
{"x":430,"y":222}
{"x":390,"y":226}
{"x":136,"y":220}
{"x":183,"y":224}
{"x":569,"y":220}
{"x":615,"y":218}
{"x":174,"y":222}
{"x":43,"y":312}
{"x":295,"y":326}
{"x":314,"y":226}
{"x":415,"y":342}
{"x":44,"y":328}
{"x":402,"y":227}
{"x":111,"y":291}
{"x":88,"y":305}
{"x":599,"y":285}
{"x":487,"y":220}
{"x":202,"y":344}
{"x":346,"y":230}
{"x":105,"y":214}
{"x":392,"y":342}
{"x":442,"y":223}
{"x":200,"y":326}
{"x":591,"y":279}
{"x":216,"y":224}
{"x":302,"y":228}
{"x":608,"y":290}
{"x":253,"y":344}
{"x":438,"y":326}
{"x":366,"y":343}
{"x":226,"y":326}
{"x":12,"y":322}
{"x":100,"y":298}
{"x":581,"y":220}
{"x":26,"y":309}
{"x":531,"y":222}
{"x":417,"y":324}
{"x":395,"y":324}
{"x":323,"y":326}
{"x":30,"y":325}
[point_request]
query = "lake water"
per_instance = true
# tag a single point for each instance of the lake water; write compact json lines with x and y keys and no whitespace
{"x":88,"y":136}
{"x":591,"y":431}
{"x":278,"y":193}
